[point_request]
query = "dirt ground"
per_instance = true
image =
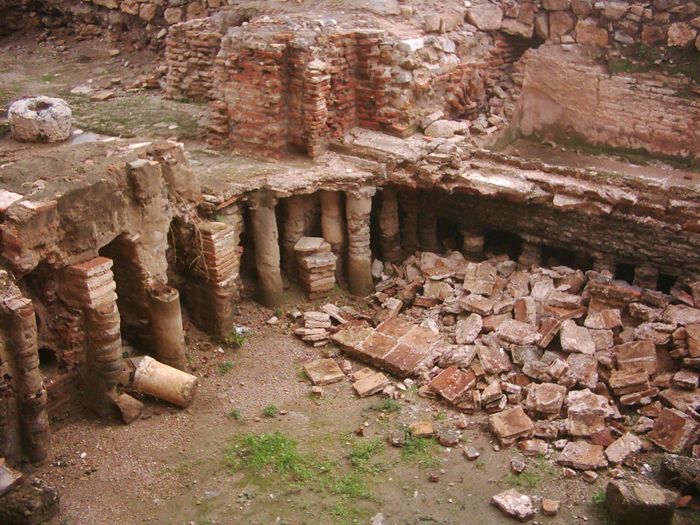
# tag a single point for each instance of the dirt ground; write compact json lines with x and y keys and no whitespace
{"x":170,"y":466}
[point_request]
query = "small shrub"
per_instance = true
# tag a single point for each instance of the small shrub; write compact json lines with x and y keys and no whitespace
{"x":234,"y":339}
{"x":388,"y":405}
{"x":235,"y":414}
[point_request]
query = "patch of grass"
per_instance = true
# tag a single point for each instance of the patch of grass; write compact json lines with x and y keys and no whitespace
{"x":235,"y":415}
{"x":234,"y":340}
{"x":270,"y":411}
{"x":225,"y":367}
{"x":48,"y":77}
{"x":345,"y":513}
{"x":363,"y":451}
{"x":351,"y":485}
{"x":387,"y":405}
{"x":273,"y":452}
{"x":599,"y":497}
{"x":479,"y":464}
{"x":440,"y":416}
{"x":527,"y":479}
{"x":536,"y":473}
{"x":420,"y":450}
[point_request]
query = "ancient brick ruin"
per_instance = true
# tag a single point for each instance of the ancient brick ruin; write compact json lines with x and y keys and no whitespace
{"x":412,"y":160}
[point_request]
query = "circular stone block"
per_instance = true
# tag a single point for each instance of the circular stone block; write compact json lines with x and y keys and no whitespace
{"x":40,"y":119}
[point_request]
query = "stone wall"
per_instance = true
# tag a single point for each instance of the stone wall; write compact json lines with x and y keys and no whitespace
{"x":275,"y":89}
{"x":672,"y":23}
{"x":572,"y":98}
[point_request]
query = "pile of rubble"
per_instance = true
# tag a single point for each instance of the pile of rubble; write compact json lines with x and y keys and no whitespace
{"x":562,"y":360}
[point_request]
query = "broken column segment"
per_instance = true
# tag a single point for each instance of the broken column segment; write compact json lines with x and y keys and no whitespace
{"x":358,"y":205}
{"x":166,"y":326}
{"x":389,"y":236}
{"x":164,"y":382}
{"x":267,"y":250}
{"x":31,"y":394}
{"x":294,"y":223}
{"x":473,"y":243}
{"x":333,"y":229}
{"x":316,"y":266}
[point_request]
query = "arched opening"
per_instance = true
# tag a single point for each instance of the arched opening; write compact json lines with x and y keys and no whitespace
{"x":666,"y":282}
{"x":499,"y":242}
{"x":624,"y":272}
{"x":48,"y":361}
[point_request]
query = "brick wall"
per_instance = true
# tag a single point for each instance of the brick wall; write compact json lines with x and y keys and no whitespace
{"x":570,"y":98}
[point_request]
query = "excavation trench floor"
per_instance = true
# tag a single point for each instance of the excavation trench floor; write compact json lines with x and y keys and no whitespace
{"x":179,"y":466}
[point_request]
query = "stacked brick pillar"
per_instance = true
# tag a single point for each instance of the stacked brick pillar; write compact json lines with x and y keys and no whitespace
{"x":90,"y":287}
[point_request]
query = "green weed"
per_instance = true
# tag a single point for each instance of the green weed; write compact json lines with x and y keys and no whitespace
{"x":235,"y":415}
{"x":225,"y":367}
{"x":420,"y":450}
{"x":387,"y":405}
{"x":270,"y":411}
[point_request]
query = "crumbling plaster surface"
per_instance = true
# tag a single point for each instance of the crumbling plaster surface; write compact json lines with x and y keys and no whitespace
{"x":94,"y":198}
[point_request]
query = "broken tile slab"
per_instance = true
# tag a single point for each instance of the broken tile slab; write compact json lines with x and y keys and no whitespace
{"x":467,"y":330}
{"x":324,"y":372}
{"x":350,"y":337}
{"x":522,"y":354}
{"x":517,"y":332}
{"x":564,"y":300}
{"x":395,"y":327}
{"x":459,"y":355}
{"x":628,"y":382}
{"x":673,"y":431}
{"x":582,"y":456}
{"x":686,"y":379}
{"x":681,"y":315}
{"x":583,"y":369}
{"x":405,"y":360}
{"x":576,"y":338}
{"x":605,"y":319}
{"x":548,"y":330}
{"x":370,"y":385}
{"x":494,"y":360}
{"x":479,"y":278}
{"x":635,"y":356}
{"x":586,"y":412}
{"x":439,"y":290}
{"x":375,"y":347}
{"x":362,"y":373}
{"x":422,"y":428}
{"x":491,"y":322}
{"x":623,"y":447}
{"x":545,"y":398}
{"x":514,"y":504}
{"x":693,"y":339}
{"x":525,"y":310}
{"x":7,"y":199}
{"x":477,"y":304}
{"x":657,"y":333}
{"x":603,"y":339}
{"x":511,"y":424}
{"x":453,"y":384}
{"x":420,"y":338}
{"x":633,"y":502}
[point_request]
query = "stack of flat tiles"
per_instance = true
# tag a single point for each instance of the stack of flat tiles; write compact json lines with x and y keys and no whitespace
{"x":316,"y":266}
